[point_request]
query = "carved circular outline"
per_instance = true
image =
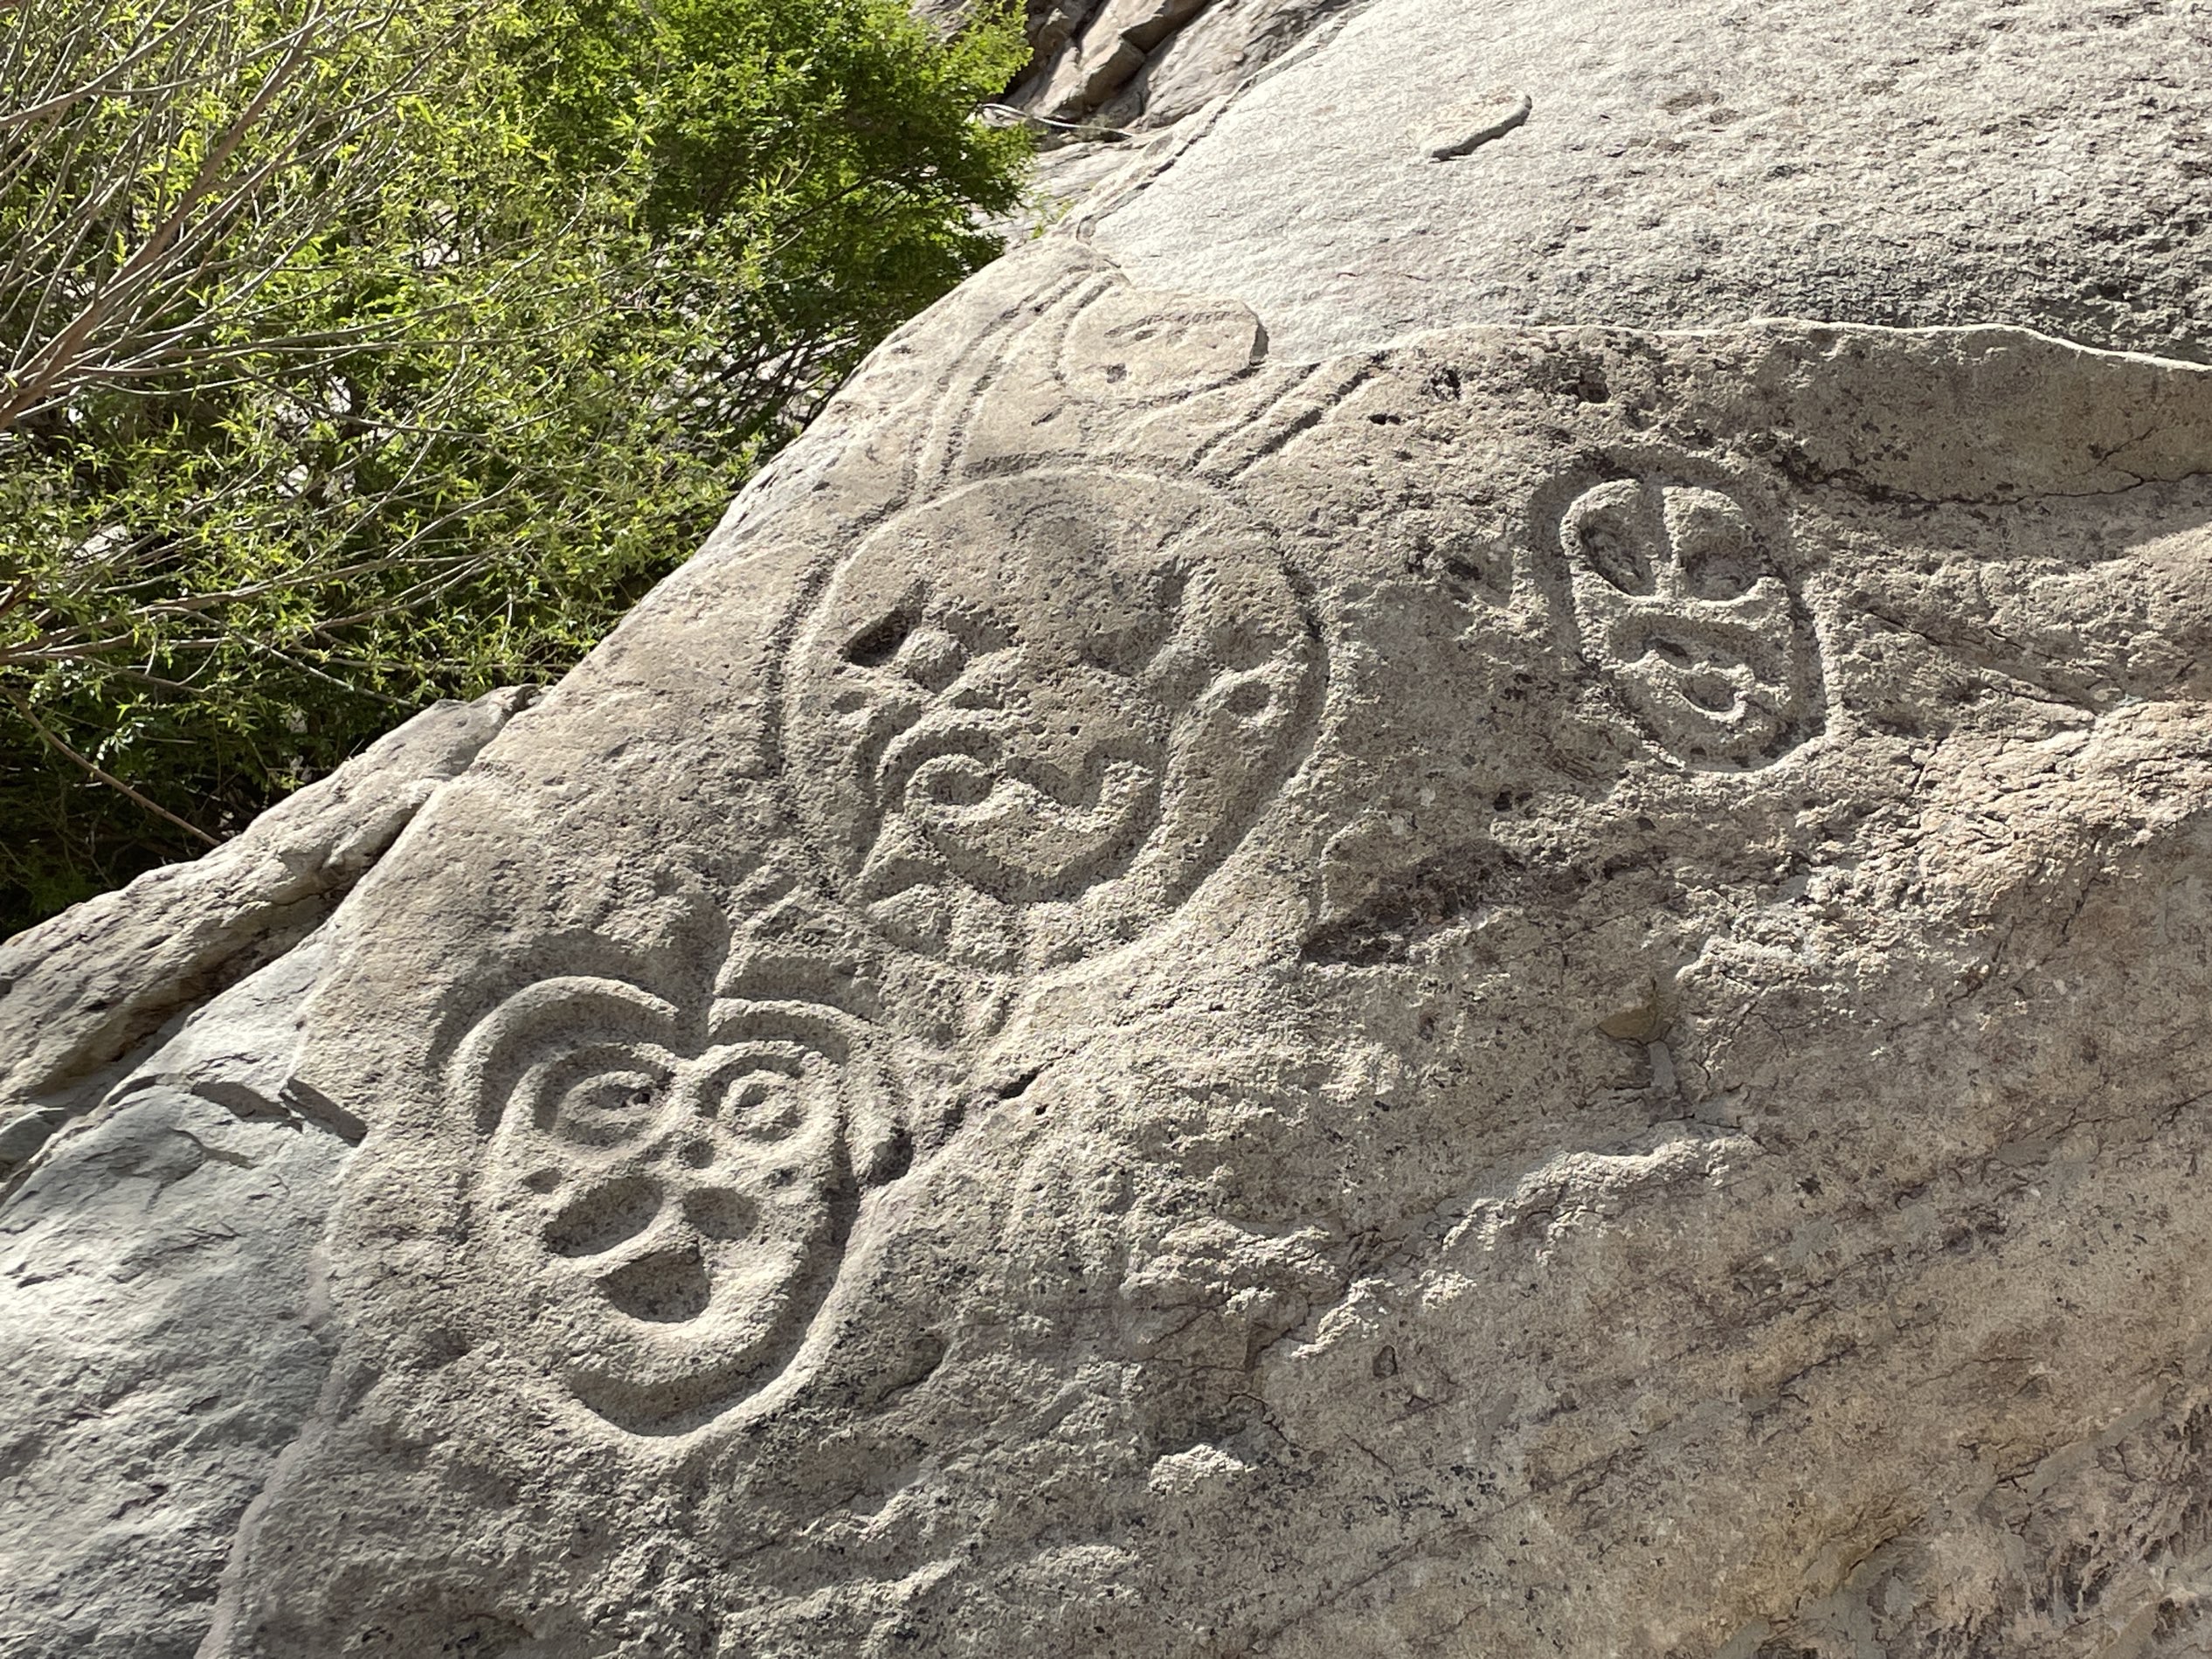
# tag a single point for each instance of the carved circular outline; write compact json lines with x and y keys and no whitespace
{"x":1287,"y":755}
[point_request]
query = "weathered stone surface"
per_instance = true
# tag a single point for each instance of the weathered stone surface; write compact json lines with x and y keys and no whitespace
{"x":1104,"y":70}
{"x":162,"y":1348}
{"x":83,"y":995}
{"x":1245,"y":973}
{"x":1697,"y":162}
{"x":1538,"y":989}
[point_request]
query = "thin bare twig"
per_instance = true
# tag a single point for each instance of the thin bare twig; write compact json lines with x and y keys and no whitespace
{"x":100,"y":772}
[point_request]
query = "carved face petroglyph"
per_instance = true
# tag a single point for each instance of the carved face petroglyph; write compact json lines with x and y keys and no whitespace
{"x":675,"y":1194}
{"x":1022,"y":722}
{"x":1679,"y":599}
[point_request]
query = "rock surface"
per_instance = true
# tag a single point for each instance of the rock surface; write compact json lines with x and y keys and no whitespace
{"x":1692,"y":162}
{"x":164,"y":1181}
{"x":1259,"y":969}
{"x":1099,"y":67}
{"x":157,"y":1271}
{"x":85,"y":996}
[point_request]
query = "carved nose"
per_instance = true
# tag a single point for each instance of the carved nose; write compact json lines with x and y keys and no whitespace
{"x":976,"y":691}
{"x":667,"y":1286}
{"x":604,"y":1216}
{"x":720,"y":1213}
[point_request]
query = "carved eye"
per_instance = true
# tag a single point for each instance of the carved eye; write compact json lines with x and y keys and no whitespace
{"x":1134,"y":627}
{"x":1618,"y":554}
{"x":1715,"y":544}
{"x":1614,"y":546}
{"x":1125,"y":650}
{"x":603,"y":1216}
{"x":1248,"y":699}
{"x":952,"y":780}
{"x":879,"y":642}
{"x":607,"y":1107}
{"x":762,"y":1105}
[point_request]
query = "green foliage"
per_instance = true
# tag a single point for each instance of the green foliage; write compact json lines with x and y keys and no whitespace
{"x":362,"y":352}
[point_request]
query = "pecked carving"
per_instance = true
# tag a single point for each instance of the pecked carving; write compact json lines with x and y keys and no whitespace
{"x":1596,"y":858}
{"x":1130,"y":346}
{"x":1680,"y":598}
{"x":1023,"y":721}
{"x":675,"y":1192}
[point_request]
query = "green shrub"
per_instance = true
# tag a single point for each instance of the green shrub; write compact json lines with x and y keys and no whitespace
{"x":363,"y":352}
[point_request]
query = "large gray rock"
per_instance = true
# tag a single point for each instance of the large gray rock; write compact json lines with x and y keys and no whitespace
{"x":1101,"y":66}
{"x":156,"y":1269}
{"x":164,"y":1184}
{"x":1251,"y":969}
{"x":86,"y":996}
{"x":1692,"y":162}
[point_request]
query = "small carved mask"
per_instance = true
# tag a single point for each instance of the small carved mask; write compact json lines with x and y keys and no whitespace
{"x":1679,"y":600}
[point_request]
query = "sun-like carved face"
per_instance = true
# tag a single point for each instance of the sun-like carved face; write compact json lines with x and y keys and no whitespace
{"x":1679,"y":599}
{"x":677,"y":1205}
{"x":1024,"y":721}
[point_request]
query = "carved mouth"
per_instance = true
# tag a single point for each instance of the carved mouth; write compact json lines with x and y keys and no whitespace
{"x":1024,"y":830}
{"x":931,"y":741}
{"x":696,"y":1339}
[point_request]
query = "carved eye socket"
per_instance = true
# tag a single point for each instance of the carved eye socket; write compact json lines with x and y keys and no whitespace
{"x":598,"y":1220}
{"x":1125,"y":650}
{"x":1126,"y":636}
{"x":762,"y":1105}
{"x":879,"y":642}
{"x":952,"y":780}
{"x":607,"y":1107}
{"x":1717,"y":547}
{"x":1616,"y":552}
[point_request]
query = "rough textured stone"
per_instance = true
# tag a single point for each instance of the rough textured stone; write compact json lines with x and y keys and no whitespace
{"x":162,"y":1349}
{"x":1244,"y":974}
{"x":1537,"y":989}
{"x":1102,"y":71}
{"x":84,"y":994}
{"x":1699,"y":161}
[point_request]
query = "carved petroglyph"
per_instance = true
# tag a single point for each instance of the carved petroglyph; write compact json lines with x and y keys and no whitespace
{"x":1130,"y":346}
{"x":1679,"y":598}
{"x":1022,"y":722}
{"x":675,"y":1193}
{"x":1019,"y":724}
{"x":1099,"y":372}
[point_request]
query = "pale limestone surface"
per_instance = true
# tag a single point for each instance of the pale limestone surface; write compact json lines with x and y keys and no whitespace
{"x":164,"y":1184}
{"x":1525,"y":990}
{"x":156,"y":1268}
{"x":85,"y":997}
{"x":1698,"y":162}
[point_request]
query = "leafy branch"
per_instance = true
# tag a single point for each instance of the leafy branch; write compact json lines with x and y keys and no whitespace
{"x":358,"y":352}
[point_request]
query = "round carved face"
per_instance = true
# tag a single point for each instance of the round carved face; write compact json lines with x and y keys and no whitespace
{"x":1024,"y":721}
{"x":672,"y":1212}
{"x":1679,"y":600}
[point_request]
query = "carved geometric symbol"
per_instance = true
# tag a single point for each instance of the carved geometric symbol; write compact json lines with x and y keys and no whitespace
{"x":669,"y":1199}
{"x":1680,"y":600}
{"x":1023,"y":721}
{"x":1133,"y":345}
